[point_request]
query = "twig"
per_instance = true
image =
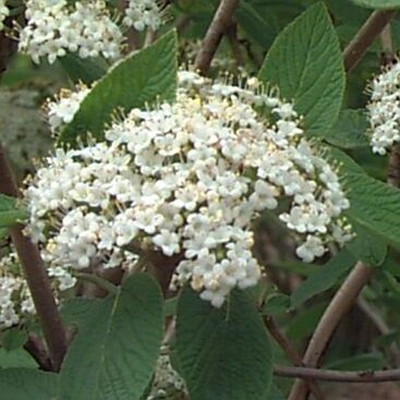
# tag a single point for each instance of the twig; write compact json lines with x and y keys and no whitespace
{"x":340,"y":304}
{"x":365,"y":36}
{"x":214,"y":34}
{"x":36,"y":348}
{"x":291,"y":353}
{"x":36,"y":277}
{"x":149,"y":38}
{"x":98,"y":281}
{"x":29,"y":256}
{"x":387,"y":44}
{"x":337,"y":376}
{"x":169,"y":332}
{"x":394,"y":167}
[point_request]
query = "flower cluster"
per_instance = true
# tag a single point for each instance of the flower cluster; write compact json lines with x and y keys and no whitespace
{"x":384,"y":109}
{"x":187,"y":179}
{"x":15,"y":299}
{"x":4,"y":13}
{"x":61,"y":111}
{"x":55,"y":28}
{"x":143,"y":13}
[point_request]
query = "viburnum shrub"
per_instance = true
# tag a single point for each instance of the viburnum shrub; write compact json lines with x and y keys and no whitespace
{"x":139,"y":265}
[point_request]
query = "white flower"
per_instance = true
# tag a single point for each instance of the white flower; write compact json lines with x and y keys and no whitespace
{"x":63,"y":109}
{"x":15,"y":299}
{"x":311,"y":249}
{"x":143,"y":13}
{"x":188,"y":179}
{"x":167,"y":241}
{"x":55,"y":28}
{"x":384,"y":110}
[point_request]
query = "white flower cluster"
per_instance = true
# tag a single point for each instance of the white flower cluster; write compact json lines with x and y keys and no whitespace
{"x":187,"y":179}
{"x":143,"y":13}
{"x":4,"y":13}
{"x":61,"y":111}
{"x":384,"y":109}
{"x":15,"y":299}
{"x":54,"y":28}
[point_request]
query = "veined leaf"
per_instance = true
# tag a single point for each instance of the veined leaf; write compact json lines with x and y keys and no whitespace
{"x":305,"y":62}
{"x":116,"y":349}
{"x":28,"y":384}
{"x":10,"y":213}
{"x":224,"y":354}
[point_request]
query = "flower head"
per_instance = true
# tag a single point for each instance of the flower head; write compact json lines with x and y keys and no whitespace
{"x":55,"y":28}
{"x":384,"y":109}
{"x":187,"y":179}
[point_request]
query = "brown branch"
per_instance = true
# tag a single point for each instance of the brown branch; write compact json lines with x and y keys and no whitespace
{"x":340,"y":304}
{"x":36,"y":277}
{"x":393,"y":174}
{"x":365,"y":36}
{"x":387,"y":44}
{"x":291,"y":353}
{"x":337,"y":376}
{"x":132,"y":37}
{"x":36,"y":348}
{"x":218,"y":26}
{"x":29,"y":256}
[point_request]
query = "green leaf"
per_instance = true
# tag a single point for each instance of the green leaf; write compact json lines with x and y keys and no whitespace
{"x":305,"y":62}
{"x":324,"y":278}
{"x":224,"y":354}
{"x":143,"y":77}
{"x":3,"y":233}
{"x":374,"y":205}
{"x":378,"y":3}
{"x":18,"y":358}
{"x":367,"y":247}
{"x":274,"y":393}
{"x":346,"y":163}
{"x":115,"y":351}
{"x":82,"y":70}
{"x":277,"y":303}
{"x":349,"y":132}
{"x":75,"y":311}
{"x":304,"y":323}
{"x":13,"y":338}
{"x":7,"y":203}
{"x":28,"y":384}
{"x":10,"y":213}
